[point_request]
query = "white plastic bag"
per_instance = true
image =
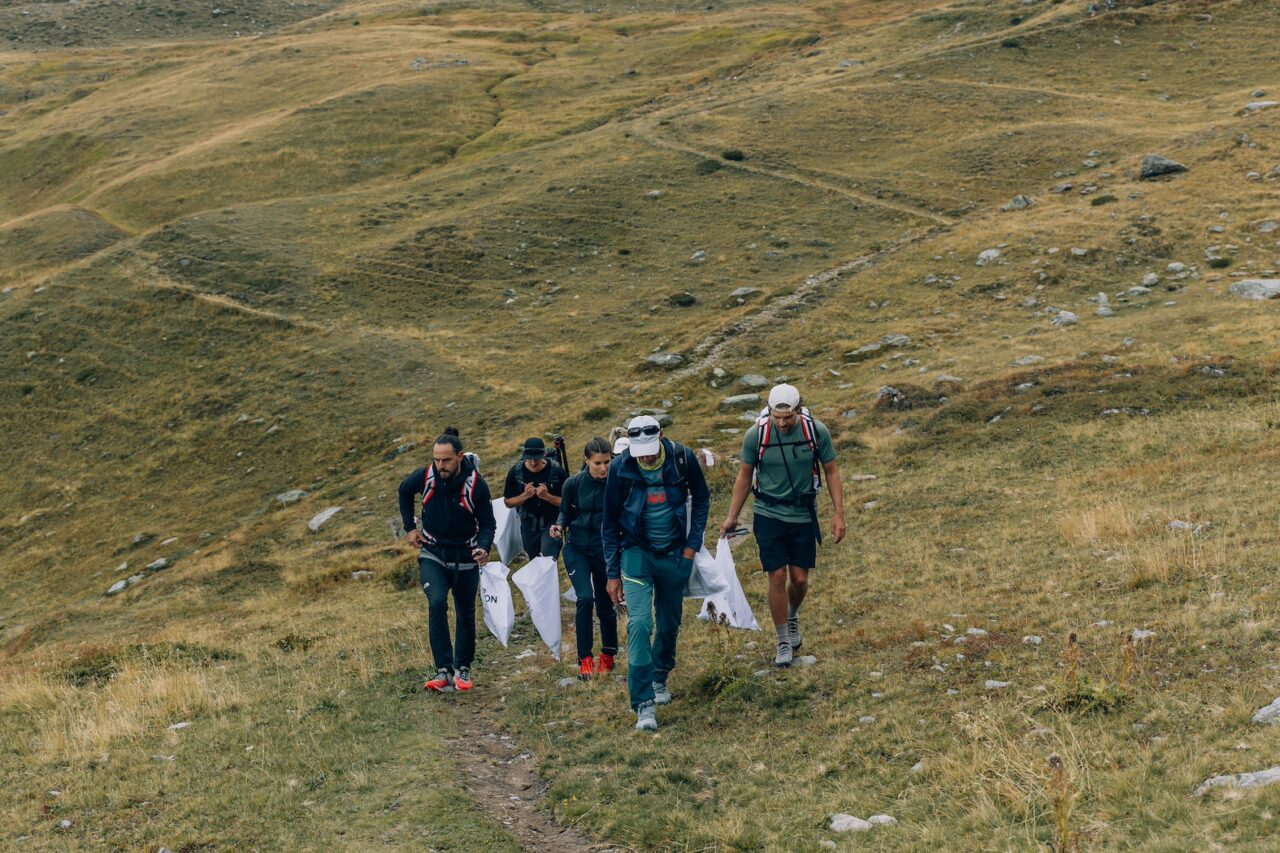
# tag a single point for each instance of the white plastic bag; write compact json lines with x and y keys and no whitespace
{"x":570,"y":595}
{"x":539,"y":582}
{"x":499,"y":608}
{"x":507,"y":537}
{"x":705,"y":579}
{"x":733,"y":602}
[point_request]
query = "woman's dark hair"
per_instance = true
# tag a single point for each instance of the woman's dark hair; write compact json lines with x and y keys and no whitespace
{"x":597,"y":445}
{"x":450,"y":438}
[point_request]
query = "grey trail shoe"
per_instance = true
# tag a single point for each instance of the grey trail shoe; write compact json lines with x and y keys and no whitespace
{"x":793,"y":631}
{"x":784,"y":656}
{"x":647,"y":717}
{"x":661,"y":694}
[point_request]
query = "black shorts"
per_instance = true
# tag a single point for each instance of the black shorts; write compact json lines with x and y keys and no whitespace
{"x":785,"y":543}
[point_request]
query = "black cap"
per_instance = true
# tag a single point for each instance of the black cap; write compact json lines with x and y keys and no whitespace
{"x":534,"y":448}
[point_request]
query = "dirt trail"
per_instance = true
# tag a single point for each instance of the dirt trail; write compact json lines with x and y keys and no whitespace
{"x":498,"y":774}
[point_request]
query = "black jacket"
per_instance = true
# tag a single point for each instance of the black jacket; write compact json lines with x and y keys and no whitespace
{"x":582,"y":511}
{"x":455,"y":529}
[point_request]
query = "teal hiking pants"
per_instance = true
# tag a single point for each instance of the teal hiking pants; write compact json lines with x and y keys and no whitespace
{"x":654,"y":590}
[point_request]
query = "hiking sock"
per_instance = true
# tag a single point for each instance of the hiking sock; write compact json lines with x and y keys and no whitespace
{"x":784,"y":633}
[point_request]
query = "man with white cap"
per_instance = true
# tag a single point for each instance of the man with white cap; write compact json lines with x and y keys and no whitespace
{"x":656,"y":503}
{"x":784,"y":456}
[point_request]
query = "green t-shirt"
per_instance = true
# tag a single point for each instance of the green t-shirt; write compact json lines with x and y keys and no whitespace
{"x":786,"y":478}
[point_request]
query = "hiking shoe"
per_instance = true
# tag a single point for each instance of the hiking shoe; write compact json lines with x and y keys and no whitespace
{"x":646,"y":717}
{"x":661,"y":694}
{"x":605,"y":666}
{"x":793,"y":631}
{"x":586,"y":668}
{"x":784,"y":656}
{"x":439,"y":682}
{"x":462,"y":680}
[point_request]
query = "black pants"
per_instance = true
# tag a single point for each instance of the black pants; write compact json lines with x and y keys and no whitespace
{"x":537,"y":541}
{"x":586,"y":573}
{"x":437,"y":580}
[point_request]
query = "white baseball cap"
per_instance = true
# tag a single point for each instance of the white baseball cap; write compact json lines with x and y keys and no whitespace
{"x":784,"y":397}
{"x":620,"y":446}
{"x":643,"y":434}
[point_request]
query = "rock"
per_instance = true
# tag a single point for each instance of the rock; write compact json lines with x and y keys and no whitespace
{"x":653,"y":194}
{"x":806,"y":660}
{"x":1176,"y":267}
{"x":1150,"y":279}
{"x":992,"y":684}
{"x":1256,"y":288}
{"x":1141,"y":634}
{"x":741,"y":401}
{"x":918,"y":767}
{"x":1102,"y":623}
{"x":684,"y":299}
{"x":1079,"y":252}
{"x":753,"y":380}
{"x":1154,"y":165}
{"x":1033,"y":640}
{"x":863,"y":352}
{"x":1065,"y":318}
{"x":321,"y":517}
{"x":699,"y":256}
{"x":1269,"y":715}
{"x":896,"y":340}
{"x":291,"y":497}
{"x":1259,"y":106}
{"x":1268,"y":226}
{"x":527,"y":653}
{"x":947,"y":379}
{"x":866,"y":720}
{"x":118,"y":586}
{"x":66,"y":824}
{"x":742,"y":294}
{"x":1257,"y":779}
{"x":849,"y":823}
{"x":988,"y":256}
{"x":665,"y":360}
{"x":157,"y":565}
{"x":179,"y":726}
{"x":1020,"y":202}
{"x":361,"y":575}
{"x":976,"y":632}
{"x":169,"y":541}
{"x":1027,"y":360}
{"x":1137,"y":290}
{"x":882,"y":820}
{"x":567,"y":682}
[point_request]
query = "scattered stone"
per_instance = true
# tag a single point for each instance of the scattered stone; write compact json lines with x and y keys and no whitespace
{"x":321,"y":517}
{"x":1027,"y":360}
{"x":1270,"y":715}
{"x":992,"y":684}
{"x":947,"y":379}
{"x":988,"y":256}
{"x":653,"y":194}
{"x":1141,"y":634}
{"x":684,"y":299}
{"x":806,"y":660}
{"x":1259,"y":106}
{"x":918,"y":767}
{"x":849,"y":823}
{"x":1257,"y":779}
{"x":1257,"y":289}
{"x":1020,"y":202}
{"x":179,"y":726}
{"x":1078,"y":252}
{"x":169,"y":541}
{"x":1154,"y":166}
{"x":896,"y":340}
{"x":741,"y":401}
{"x":699,"y":256}
{"x":882,"y":820}
{"x":66,"y":824}
{"x":157,"y":565}
{"x":567,"y":682}
{"x":665,"y":360}
{"x":1102,"y":623}
{"x":361,"y":575}
{"x":863,"y":352}
{"x":1268,"y":226}
{"x":742,"y":294}
{"x":1151,"y":279}
{"x":1033,"y":640}
{"x":976,"y":632}
{"x":1176,"y":267}
{"x":118,"y":586}
{"x":866,"y":720}
{"x":753,"y":380}
{"x":1065,"y":318}
{"x":527,"y":653}
{"x":291,"y":497}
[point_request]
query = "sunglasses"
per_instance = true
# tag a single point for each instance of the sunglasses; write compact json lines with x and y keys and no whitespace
{"x":636,"y":432}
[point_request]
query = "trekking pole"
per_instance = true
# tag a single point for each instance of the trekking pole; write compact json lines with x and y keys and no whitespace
{"x":557,"y":441}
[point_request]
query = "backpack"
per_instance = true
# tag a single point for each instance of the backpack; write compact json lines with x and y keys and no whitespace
{"x":680,"y":455}
{"x":466,"y":498}
{"x":764,"y":431}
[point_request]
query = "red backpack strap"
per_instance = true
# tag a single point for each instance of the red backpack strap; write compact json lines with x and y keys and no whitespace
{"x":428,"y":484}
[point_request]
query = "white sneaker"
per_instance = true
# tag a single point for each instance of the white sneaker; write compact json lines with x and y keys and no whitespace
{"x":784,"y":656}
{"x":647,"y":717}
{"x":661,"y":694}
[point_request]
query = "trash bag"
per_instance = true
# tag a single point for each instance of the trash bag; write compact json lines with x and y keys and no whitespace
{"x":705,"y":579}
{"x":499,"y":608}
{"x":539,"y":582}
{"x":570,"y":595}
{"x":507,"y":537}
{"x":733,"y":602}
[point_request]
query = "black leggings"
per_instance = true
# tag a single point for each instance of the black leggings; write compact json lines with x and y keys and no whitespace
{"x":586,"y":573}
{"x":437,"y":580}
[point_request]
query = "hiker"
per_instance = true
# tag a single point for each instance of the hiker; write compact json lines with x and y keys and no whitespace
{"x":618,"y":438}
{"x":784,"y":456}
{"x":533,"y":490}
{"x":581,"y":506}
{"x":655,"y":512}
{"x":457,"y":530}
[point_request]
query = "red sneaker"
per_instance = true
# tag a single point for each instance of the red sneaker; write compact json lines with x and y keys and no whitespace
{"x":462,"y":679}
{"x":439,"y":681}
{"x":586,"y":668}
{"x":605,"y":666}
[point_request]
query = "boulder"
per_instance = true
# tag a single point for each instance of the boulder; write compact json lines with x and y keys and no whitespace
{"x":753,"y":380}
{"x":318,"y":520}
{"x":741,"y":401}
{"x":1020,"y":202}
{"x":1154,"y":166}
{"x":988,"y":256}
{"x":849,"y":823}
{"x":291,"y":497}
{"x":665,"y":360}
{"x":1256,"y":288}
{"x":1257,"y":779}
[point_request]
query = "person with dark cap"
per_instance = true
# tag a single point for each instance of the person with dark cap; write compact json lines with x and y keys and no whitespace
{"x":457,"y":531}
{"x":533,"y":489}
{"x":655,"y":510}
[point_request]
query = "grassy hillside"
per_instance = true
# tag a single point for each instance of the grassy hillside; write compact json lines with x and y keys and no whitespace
{"x":235,"y":266}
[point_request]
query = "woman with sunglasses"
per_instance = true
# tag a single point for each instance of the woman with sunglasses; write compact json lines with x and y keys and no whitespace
{"x":581,"y":508}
